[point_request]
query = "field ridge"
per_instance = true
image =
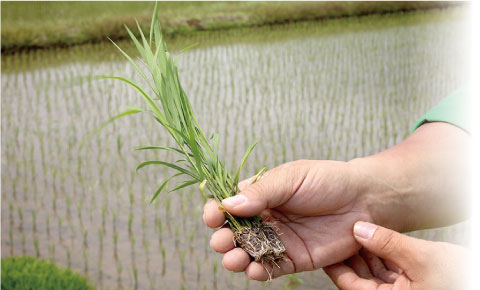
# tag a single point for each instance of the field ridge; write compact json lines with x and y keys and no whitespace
{"x":33,"y":25}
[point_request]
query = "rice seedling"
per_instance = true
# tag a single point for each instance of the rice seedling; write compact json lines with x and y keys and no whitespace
{"x":167,"y":213}
{"x":264,"y":286}
{"x":162,"y":250}
{"x":24,"y":242}
{"x":171,"y":108}
{"x":69,"y":257}
{"x":215,"y":268}
{"x":59,"y":230}
{"x":10,"y":229}
{"x":104,"y":214}
{"x":176,"y":238}
{"x":119,"y":276}
{"x":191,"y":239}
{"x":14,"y":188}
{"x":35,"y":237}
{"x":130,"y":222}
{"x":47,"y":227}
{"x":132,"y":249}
{"x":100,"y":256}
{"x":135,"y":277}
{"x":51,"y":250}
{"x":182,"y":265}
{"x":20,"y":217}
{"x":199,"y":267}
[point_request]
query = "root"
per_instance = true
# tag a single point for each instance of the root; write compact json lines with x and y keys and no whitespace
{"x":261,"y":242}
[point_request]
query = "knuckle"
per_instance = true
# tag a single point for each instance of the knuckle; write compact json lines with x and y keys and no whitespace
{"x":258,"y":190}
{"x":387,"y":243}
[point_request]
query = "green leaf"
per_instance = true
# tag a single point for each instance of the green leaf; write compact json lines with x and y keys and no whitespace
{"x":215,"y":143}
{"x":160,"y":148}
{"x":140,"y":48}
{"x":133,"y":63}
{"x":184,"y":184}
{"x":189,"y":47}
{"x":130,"y":110}
{"x":159,"y":189}
{"x":249,"y":150}
{"x":154,"y":20}
{"x":153,"y":106}
{"x":171,"y":165}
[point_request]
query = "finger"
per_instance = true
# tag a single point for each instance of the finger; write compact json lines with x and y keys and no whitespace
{"x":222,"y":240}
{"x":359,"y":266}
{"x":402,"y":283}
{"x":236,"y":260}
{"x":345,"y":278}
{"x":400,"y":249}
{"x":257,"y":271}
{"x":377,"y":268}
{"x":212,"y":216}
{"x":244,"y":183}
{"x":272,"y":190}
{"x":392,"y":267}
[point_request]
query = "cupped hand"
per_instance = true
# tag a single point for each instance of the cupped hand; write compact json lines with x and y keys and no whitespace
{"x":313,"y":203}
{"x":390,"y":260}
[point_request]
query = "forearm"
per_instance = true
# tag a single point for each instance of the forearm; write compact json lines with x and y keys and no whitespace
{"x":423,"y":182}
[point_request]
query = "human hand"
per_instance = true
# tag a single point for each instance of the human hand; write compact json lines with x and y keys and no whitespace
{"x":314,"y":204}
{"x":390,"y":260}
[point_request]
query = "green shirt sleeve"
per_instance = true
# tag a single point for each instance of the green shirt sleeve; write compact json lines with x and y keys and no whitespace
{"x":453,"y":109}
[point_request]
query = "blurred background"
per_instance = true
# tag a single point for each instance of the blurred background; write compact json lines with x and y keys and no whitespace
{"x":315,"y":80}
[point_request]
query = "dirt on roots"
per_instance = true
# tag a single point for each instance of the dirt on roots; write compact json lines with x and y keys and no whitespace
{"x":262,"y":243}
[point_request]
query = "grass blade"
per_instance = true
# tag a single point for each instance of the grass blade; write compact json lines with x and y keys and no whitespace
{"x":172,"y":149}
{"x":171,"y":165}
{"x":160,"y":189}
{"x":184,"y":184}
{"x":249,"y":150}
{"x":189,"y":47}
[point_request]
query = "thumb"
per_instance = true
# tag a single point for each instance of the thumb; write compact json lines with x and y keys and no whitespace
{"x":272,"y":190}
{"x":390,"y":245}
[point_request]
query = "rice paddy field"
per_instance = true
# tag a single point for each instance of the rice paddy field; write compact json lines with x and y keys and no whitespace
{"x":334,"y":89}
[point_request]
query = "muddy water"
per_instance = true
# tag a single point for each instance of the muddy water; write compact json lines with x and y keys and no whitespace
{"x":330,"y":90}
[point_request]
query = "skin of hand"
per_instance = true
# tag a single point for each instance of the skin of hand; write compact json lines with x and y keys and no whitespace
{"x":392,"y":261}
{"x":315,"y":228}
{"x":416,"y":184}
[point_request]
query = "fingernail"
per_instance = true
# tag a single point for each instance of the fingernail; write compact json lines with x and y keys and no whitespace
{"x":234,"y":200}
{"x":364,"y":230}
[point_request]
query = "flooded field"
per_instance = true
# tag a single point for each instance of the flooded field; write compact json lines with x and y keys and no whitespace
{"x":336,"y":89}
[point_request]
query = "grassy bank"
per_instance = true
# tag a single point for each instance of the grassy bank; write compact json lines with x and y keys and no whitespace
{"x":29,"y":25}
{"x":106,"y":51}
{"x":30,"y":273}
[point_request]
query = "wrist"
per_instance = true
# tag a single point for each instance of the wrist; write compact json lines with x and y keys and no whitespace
{"x":383,"y":199}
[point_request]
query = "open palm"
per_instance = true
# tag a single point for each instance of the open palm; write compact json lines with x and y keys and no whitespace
{"x":314,"y":206}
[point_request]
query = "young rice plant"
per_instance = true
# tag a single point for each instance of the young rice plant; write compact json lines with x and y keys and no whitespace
{"x":199,"y":161}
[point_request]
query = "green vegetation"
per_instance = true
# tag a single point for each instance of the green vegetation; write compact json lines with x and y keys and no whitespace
{"x":28,"y":273}
{"x":27,"y":25}
{"x":199,"y":163}
{"x":105,"y":51}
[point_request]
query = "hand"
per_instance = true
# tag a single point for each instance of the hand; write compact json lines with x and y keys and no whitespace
{"x":314,"y":205}
{"x":390,"y":260}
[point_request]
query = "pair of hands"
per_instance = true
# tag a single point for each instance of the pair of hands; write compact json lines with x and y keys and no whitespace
{"x":317,"y":232}
{"x":417,"y":184}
